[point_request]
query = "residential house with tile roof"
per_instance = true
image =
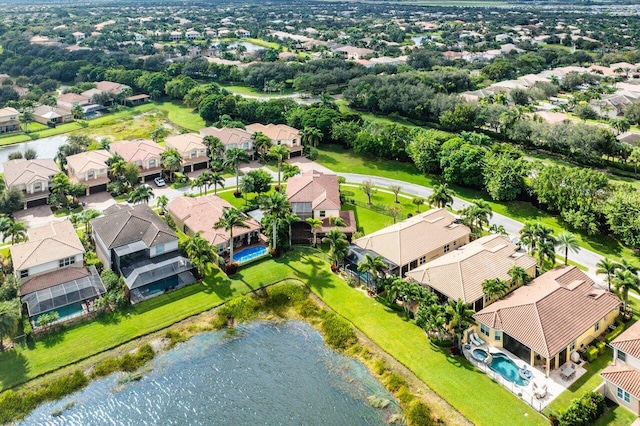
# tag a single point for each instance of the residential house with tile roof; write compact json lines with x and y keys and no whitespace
{"x":70,"y":100}
{"x":47,"y":114}
{"x":32,"y":177}
{"x":111,"y":87}
{"x":136,"y":243}
{"x":90,"y":169}
{"x":459,"y":273}
{"x":192,"y":149}
{"x":545,"y":321}
{"x":417,"y":240}
{"x":200,"y":214}
{"x":9,"y":120}
{"x":231,"y":137}
{"x":280,"y":134}
{"x":144,"y":153}
{"x":622,"y":378}
{"x":53,"y":278}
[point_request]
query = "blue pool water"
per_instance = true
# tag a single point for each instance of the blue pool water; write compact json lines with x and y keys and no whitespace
{"x":502,"y":365}
{"x":249,"y":253}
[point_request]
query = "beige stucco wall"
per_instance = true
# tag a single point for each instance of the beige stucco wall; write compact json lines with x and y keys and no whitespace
{"x":611,"y":392}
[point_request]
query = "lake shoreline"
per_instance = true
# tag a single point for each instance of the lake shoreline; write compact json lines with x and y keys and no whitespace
{"x":364,"y":351}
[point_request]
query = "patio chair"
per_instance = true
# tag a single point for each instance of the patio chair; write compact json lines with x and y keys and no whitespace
{"x":539,"y":391}
{"x":476,"y":340}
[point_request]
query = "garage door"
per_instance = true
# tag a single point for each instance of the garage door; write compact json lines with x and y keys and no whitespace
{"x":36,"y":203}
{"x":199,"y":166}
{"x":97,"y":188}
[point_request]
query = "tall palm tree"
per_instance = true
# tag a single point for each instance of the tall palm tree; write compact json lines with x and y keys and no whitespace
{"x":624,"y":281}
{"x":311,"y":136}
{"x":161,"y":203}
{"x":441,"y":197}
{"x":628,"y":266}
{"x":279,"y":152}
{"x":199,"y":182}
{"x":277,"y":207}
{"x":290,"y":219}
{"x":477,"y":215}
{"x":338,"y":245}
{"x":27,"y":117}
{"x":214,"y":145}
{"x":494,"y":288}
{"x":608,"y":267}
{"x":77,"y":112}
{"x":527,"y":236}
{"x":393,"y":288}
{"x":16,"y":232}
{"x":158,"y":133}
{"x":233,"y":158}
{"x":231,"y":218}
{"x":200,"y":252}
{"x":518,"y":276}
{"x":261,"y":143}
{"x":171,"y":161}
{"x":315,"y":224}
{"x":375,"y":266}
{"x":567,"y":241}
{"x":85,"y":218}
{"x":217,"y":180}
{"x":141,"y":194}
{"x":9,"y":317}
{"x":460,"y":317}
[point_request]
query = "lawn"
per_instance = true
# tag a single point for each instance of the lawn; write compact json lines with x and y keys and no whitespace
{"x":454,"y":379}
{"x":338,"y":159}
{"x":250,"y":91}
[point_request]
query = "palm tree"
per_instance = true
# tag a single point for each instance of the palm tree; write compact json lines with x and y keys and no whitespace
{"x":418,"y":201}
{"x":85,"y":218}
{"x":608,"y":267}
{"x":494,"y":288}
{"x":277,"y":207}
{"x":261,"y":143}
{"x":16,"y":232}
{"x":624,"y":281}
{"x":338,"y":245}
{"x":374,"y":266}
{"x":199,"y":182}
{"x":477,"y":215}
{"x":231,"y":218}
{"x":9,"y":317}
{"x":518,"y":276}
{"x":567,"y":241}
{"x":311,"y":136}
{"x":27,"y":117}
{"x":214,"y":145}
{"x":290,"y":219}
{"x":460,"y":317}
{"x":441,"y":196}
{"x":279,"y":152}
{"x":216,"y":179}
{"x":161,"y":203}
{"x":315,"y":224}
{"x":527,"y":236}
{"x":141,"y":194}
{"x":545,"y":248}
{"x":158,"y":133}
{"x":233,"y":158}
{"x":393,"y":288}
{"x":77,"y":112}
{"x":628,"y":266}
{"x":200,"y":252}
{"x":171,"y":161}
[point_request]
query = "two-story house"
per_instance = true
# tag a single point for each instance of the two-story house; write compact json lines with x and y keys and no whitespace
{"x":200,"y":214}
{"x":70,"y":100}
{"x":622,"y":378}
{"x":50,"y":269}
{"x":9,"y":120}
{"x":231,"y":138}
{"x":144,"y":153}
{"x":459,"y":273}
{"x":90,"y":169}
{"x":32,"y":177}
{"x":137,"y":244}
{"x":280,"y":134}
{"x":193,"y":151}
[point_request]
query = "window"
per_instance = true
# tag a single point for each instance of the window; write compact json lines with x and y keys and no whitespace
{"x":622,"y":394}
{"x":24,"y":273}
{"x":484,"y":330}
{"x":194,"y":153}
{"x":422,"y":260}
{"x":67,"y":261}
{"x":597,"y":326}
{"x":37,"y":186}
{"x":90,"y":174}
{"x":152,"y":163}
{"x":572,"y":346}
{"x":447,"y":248}
{"x":497,"y":335}
{"x":160,"y":249}
{"x":622,"y":356}
{"x":455,"y":243}
{"x":323,"y":213}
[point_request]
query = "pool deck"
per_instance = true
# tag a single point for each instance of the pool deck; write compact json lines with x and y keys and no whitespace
{"x":555,"y":384}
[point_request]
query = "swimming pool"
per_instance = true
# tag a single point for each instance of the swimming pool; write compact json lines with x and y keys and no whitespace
{"x":501,"y":364}
{"x":247,"y":254}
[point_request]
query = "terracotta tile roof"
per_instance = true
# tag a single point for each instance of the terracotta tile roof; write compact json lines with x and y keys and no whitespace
{"x":202,"y":213}
{"x":460,"y":273}
{"x":139,"y":150}
{"x":111,"y":87}
{"x":124,"y":224}
{"x":52,"y":279}
{"x":89,"y":160}
{"x":185,"y":143}
{"x":414,"y":237}
{"x":228,"y":135}
{"x":71,"y":98}
{"x":625,"y":377}
{"x":550,"y":312}
{"x":275,"y":132}
{"x":25,"y":172}
{"x":49,"y":112}
{"x":47,"y":243}
{"x":629,"y":341}
{"x":317,"y":188}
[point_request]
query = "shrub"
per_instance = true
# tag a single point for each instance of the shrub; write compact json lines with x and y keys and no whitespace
{"x":338,"y":333}
{"x":237,"y":194}
{"x":419,"y":414}
{"x":602,"y":346}
{"x":615,"y":333}
{"x":127,"y":362}
{"x":591,"y":354}
{"x":404,"y":395}
{"x":231,"y":268}
{"x":285,"y":294}
{"x":379,"y":367}
{"x":174,"y":337}
{"x":307,"y":309}
{"x":394,"y":381}
{"x":313,"y":154}
{"x":241,"y":308}
{"x":584,"y":410}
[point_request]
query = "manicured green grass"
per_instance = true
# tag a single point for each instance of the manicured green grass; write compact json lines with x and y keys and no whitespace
{"x":618,"y":416}
{"x":337,"y":158}
{"x":250,"y":91}
{"x":263,"y":43}
{"x":181,"y":115}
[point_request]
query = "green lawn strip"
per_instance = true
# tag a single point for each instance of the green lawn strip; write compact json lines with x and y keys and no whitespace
{"x":470,"y":391}
{"x":617,"y":416}
{"x":338,"y":159}
{"x":250,"y":91}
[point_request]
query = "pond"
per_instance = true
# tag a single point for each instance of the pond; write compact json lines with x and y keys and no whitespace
{"x":263,"y":373}
{"x":45,"y":147}
{"x":249,"y":46}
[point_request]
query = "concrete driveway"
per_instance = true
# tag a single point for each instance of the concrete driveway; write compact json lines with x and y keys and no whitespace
{"x":35,"y":216}
{"x":100,"y":201}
